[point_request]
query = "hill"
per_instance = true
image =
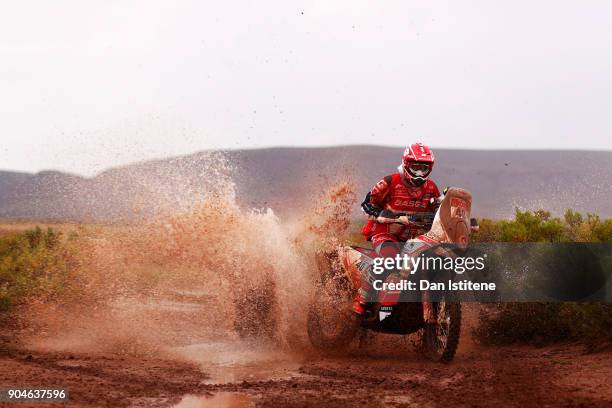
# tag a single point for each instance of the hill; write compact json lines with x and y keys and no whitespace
{"x":287,"y":179}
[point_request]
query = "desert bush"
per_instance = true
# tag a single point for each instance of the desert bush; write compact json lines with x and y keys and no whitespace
{"x":541,"y":323}
{"x":33,"y":263}
{"x":541,"y":226}
{"x":527,"y":226}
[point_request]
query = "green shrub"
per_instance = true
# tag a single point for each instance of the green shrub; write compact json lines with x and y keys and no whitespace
{"x":540,"y":323}
{"x":34,"y":262}
{"x":527,"y":226}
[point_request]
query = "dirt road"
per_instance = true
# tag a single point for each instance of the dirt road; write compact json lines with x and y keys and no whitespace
{"x":181,"y":351}
{"x":234,"y":374}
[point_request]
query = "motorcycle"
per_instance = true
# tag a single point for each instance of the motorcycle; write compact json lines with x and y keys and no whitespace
{"x":331,"y":323}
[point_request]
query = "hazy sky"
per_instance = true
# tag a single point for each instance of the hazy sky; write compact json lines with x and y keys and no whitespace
{"x":86,"y":85}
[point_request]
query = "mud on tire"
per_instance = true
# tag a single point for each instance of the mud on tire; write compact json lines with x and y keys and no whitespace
{"x":331,"y":323}
{"x":326,"y":338}
{"x":440,"y":340}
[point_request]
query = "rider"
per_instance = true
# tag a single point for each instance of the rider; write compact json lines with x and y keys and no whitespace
{"x":409,"y":191}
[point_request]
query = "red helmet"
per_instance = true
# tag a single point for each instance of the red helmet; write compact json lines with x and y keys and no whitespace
{"x":417,"y":163}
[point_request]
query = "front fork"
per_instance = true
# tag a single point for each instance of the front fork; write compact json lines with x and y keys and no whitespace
{"x":429,"y":311}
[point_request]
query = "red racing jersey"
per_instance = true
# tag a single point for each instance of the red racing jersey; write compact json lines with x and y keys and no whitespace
{"x":394,"y":194}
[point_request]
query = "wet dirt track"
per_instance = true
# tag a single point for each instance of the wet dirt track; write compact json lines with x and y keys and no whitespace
{"x":197,"y":362}
{"x":508,"y":376}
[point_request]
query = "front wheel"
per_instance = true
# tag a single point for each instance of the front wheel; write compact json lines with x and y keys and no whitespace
{"x":331,"y":329}
{"x":441,"y":339}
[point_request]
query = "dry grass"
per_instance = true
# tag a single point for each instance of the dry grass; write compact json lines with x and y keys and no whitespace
{"x":12,"y":226}
{"x":65,"y":227}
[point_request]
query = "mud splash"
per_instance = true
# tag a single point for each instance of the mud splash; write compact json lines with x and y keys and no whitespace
{"x":168,"y":283}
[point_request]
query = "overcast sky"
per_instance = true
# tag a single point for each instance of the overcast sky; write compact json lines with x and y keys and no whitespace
{"x":88,"y":85}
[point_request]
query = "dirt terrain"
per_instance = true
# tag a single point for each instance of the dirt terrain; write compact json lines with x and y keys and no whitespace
{"x":164,"y":334}
{"x":207,"y":368}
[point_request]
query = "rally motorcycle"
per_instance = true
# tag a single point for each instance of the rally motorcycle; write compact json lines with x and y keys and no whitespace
{"x":332,"y":325}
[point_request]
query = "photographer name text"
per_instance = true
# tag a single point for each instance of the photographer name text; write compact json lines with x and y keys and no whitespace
{"x":424,"y":284}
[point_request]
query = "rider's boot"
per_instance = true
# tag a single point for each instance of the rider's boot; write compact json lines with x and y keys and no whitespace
{"x":358,"y":307}
{"x":386,"y":249}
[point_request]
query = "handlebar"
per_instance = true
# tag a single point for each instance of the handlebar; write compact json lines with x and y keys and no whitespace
{"x":417,"y":220}
{"x":421,"y":220}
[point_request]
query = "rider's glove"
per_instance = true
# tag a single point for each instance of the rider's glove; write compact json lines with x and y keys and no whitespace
{"x":370,"y":208}
{"x":436,"y":201}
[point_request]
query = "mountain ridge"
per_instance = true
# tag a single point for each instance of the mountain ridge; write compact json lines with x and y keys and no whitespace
{"x":288,"y":179}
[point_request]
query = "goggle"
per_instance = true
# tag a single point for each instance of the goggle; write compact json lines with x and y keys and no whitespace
{"x":419,"y":169}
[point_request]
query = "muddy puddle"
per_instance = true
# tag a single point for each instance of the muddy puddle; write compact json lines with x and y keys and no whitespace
{"x":219,"y":400}
{"x":219,"y":352}
{"x":235,"y":361}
